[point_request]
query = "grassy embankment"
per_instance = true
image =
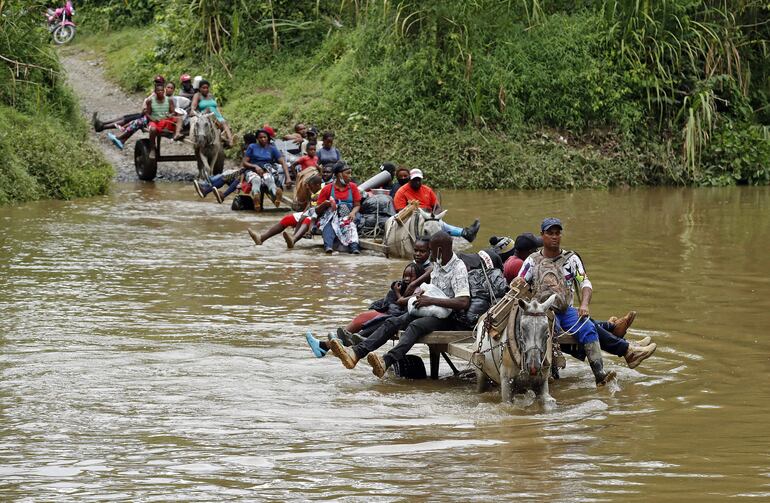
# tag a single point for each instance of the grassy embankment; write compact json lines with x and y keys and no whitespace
{"x":485,"y":94}
{"x":451,"y":155}
{"x":43,"y":149}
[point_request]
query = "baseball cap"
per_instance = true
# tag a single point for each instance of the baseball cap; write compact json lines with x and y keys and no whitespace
{"x":159,"y":79}
{"x":415,"y":173}
{"x":185,"y":78}
{"x":550,"y":222}
{"x":270,"y":131}
{"x":528,"y":241}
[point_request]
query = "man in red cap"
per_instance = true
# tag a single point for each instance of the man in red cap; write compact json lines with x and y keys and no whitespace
{"x":415,"y":190}
{"x":187,"y":89}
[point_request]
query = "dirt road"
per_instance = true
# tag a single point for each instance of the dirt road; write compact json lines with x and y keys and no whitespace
{"x":97,"y":94}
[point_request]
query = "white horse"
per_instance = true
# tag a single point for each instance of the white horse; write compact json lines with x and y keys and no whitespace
{"x":409,"y":224}
{"x":520,"y":358}
{"x":208,"y":144}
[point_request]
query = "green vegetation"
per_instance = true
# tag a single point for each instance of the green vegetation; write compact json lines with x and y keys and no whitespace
{"x":481,"y":94}
{"x":42,"y":149}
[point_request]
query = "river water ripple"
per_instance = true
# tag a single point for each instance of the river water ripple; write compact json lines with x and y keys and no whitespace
{"x":150,"y":352}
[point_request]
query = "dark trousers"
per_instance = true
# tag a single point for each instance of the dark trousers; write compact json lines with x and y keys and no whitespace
{"x":607,"y":341}
{"x":610,"y":342}
{"x":413,"y":328}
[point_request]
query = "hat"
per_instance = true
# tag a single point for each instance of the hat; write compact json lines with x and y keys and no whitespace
{"x":550,"y":222}
{"x":501,"y":245}
{"x":339,"y":167}
{"x":196,"y":81}
{"x":313,"y":129}
{"x":527,"y":241}
{"x":270,"y":131}
{"x":159,"y":79}
{"x":185,"y":78}
{"x":415,"y":173}
{"x":389,"y":167}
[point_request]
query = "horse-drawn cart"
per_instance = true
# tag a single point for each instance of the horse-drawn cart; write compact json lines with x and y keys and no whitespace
{"x":147,"y":166}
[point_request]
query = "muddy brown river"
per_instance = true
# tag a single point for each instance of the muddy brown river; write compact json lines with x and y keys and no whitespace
{"x":150,"y":352}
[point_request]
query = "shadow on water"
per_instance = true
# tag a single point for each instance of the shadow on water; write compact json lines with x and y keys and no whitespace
{"x":151,"y":351}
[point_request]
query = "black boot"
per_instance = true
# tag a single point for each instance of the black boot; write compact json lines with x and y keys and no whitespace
{"x":469,"y":233}
{"x":594,"y":354}
{"x":98,"y":125}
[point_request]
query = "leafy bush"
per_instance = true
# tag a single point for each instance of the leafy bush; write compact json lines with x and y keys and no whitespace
{"x":41,"y":158}
{"x":737,"y":154}
{"x":42,"y":149}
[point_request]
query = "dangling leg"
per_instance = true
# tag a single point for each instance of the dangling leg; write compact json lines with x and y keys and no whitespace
{"x":287,"y":221}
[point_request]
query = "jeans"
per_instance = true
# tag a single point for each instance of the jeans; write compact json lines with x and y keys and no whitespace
{"x":583,"y":329}
{"x":329,"y":236}
{"x":607,"y":341}
{"x":413,"y":327}
{"x":452,"y":230}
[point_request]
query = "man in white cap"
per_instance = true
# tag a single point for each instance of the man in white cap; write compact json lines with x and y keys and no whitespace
{"x":416,"y":190}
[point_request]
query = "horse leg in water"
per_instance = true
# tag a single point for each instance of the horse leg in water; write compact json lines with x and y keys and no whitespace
{"x":204,"y":169}
{"x":506,"y":383}
{"x":482,"y":381}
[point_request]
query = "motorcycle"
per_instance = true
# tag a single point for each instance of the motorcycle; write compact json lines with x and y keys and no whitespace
{"x":60,"y":23}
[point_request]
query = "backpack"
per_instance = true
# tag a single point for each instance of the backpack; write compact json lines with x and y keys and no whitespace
{"x":548,"y":279}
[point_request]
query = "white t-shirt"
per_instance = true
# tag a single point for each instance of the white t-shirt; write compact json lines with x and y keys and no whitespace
{"x":451,"y":278}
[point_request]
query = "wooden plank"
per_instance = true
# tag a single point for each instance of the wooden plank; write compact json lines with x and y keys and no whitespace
{"x":462,"y":349}
{"x":369,"y":244}
{"x":454,"y":336}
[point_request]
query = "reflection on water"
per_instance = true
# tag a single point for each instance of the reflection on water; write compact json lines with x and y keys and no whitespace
{"x":150,"y":352}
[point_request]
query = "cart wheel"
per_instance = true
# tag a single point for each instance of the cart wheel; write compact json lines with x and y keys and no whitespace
{"x":146,"y":167}
{"x":219,"y":164}
{"x":410,"y":367}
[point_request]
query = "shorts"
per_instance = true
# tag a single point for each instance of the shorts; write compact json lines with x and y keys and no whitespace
{"x":291,"y":220}
{"x":164,"y":125}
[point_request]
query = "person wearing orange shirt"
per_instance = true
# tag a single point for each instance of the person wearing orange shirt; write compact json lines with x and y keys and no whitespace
{"x":415,"y":190}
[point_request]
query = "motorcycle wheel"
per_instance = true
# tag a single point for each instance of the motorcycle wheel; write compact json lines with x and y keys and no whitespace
{"x":63,"y":34}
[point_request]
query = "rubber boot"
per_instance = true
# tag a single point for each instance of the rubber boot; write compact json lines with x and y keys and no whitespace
{"x":594,"y":355}
{"x":469,"y":233}
{"x":98,"y":125}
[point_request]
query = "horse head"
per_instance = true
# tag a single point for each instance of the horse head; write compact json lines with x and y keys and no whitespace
{"x":431,"y":222}
{"x":532,"y":333}
{"x":202,"y":130}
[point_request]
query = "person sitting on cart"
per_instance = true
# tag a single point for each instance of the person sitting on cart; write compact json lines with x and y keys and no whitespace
{"x":204,"y":102}
{"x":126,"y":124}
{"x":417,"y":190}
{"x":299,"y":134}
{"x":338,"y":221}
{"x":161,"y":116}
{"x":259,"y":164}
{"x":294,"y":225}
{"x":451,"y":277}
{"x":309,"y":160}
{"x":187,"y":88}
{"x":394,"y":303}
{"x":328,"y":153}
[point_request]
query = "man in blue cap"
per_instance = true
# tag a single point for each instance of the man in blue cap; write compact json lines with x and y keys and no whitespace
{"x":572,"y":320}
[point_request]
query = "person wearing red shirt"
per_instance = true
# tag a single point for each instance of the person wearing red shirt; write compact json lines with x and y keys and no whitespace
{"x":309,"y":160}
{"x":415,"y":190}
{"x":338,"y":205}
{"x":526,"y":244}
